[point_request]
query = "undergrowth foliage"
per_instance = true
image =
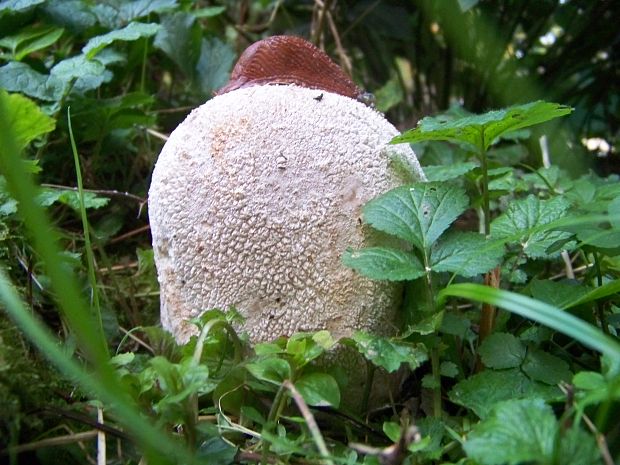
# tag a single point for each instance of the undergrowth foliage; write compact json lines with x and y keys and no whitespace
{"x":508,"y":352}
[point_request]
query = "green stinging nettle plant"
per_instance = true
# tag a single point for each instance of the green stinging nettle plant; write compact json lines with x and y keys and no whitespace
{"x":523,"y":369}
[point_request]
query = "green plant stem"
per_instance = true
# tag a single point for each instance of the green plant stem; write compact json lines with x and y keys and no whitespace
{"x":272,"y":418}
{"x":486,"y":203}
{"x":600,"y":311}
{"x":90,"y":258}
{"x":435,"y":365}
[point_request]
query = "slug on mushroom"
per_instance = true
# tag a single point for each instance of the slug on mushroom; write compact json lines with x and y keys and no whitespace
{"x":259,"y":191}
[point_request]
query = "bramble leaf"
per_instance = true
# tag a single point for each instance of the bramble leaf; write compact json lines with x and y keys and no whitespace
{"x":418,"y":213}
{"x":545,"y":367}
{"x":502,"y":350}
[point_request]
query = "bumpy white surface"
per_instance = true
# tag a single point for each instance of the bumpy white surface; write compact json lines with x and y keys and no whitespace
{"x":253,"y":200}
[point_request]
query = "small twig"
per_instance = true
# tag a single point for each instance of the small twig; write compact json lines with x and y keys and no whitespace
{"x":397,"y":452}
{"x":51,"y":442}
{"x":310,"y":421}
{"x":159,"y":135}
{"x":601,"y":442}
{"x":318,"y":26}
{"x":576,"y":270}
{"x":130,"y":335}
{"x":129,"y":234}
{"x":101,"y":441}
{"x":114,"y":268}
{"x":344,"y":58}
{"x":108,"y":192}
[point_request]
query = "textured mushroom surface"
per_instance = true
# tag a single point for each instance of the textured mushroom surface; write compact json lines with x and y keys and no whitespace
{"x":253,"y":200}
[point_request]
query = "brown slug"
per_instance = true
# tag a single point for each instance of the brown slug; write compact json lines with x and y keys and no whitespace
{"x":290,"y":60}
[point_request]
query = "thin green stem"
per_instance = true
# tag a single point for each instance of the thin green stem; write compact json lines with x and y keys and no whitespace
{"x":435,"y":364}
{"x":274,"y":414}
{"x":90,"y":258}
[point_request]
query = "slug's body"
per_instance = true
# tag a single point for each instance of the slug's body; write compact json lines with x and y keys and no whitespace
{"x":290,"y":60}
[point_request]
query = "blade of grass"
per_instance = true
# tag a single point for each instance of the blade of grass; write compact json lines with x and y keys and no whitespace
{"x":90,"y":258}
{"x":540,"y":312}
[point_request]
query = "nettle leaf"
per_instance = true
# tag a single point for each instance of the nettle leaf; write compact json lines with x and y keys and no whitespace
{"x":389,"y":353}
{"x":418,"y":213}
{"x":319,"y":389}
{"x":502,"y":350}
{"x":19,"y":77}
{"x":466,"y":253}
{"x":523,"y":216}
{"x":131,"y":32}
{"x":526,"y":430}
{"x":447,"y":172}
{"x":31,"y":39}
{"x":481,"y":131}
{"x":483,"y":390}
{"x":25,"y":119}
{"x":384,"y":263}
{"x":545,"y":367}
{"x":273,"y":370}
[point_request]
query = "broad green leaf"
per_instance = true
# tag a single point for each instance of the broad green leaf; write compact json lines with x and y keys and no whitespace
{"x":30,"y":39}
{"x":526,"y":430}
{"x":389,"y":95}
{"x":319,"y":389}
{"x":115,"y":13}
{"x":75,"y":15}
{"x":545,"y":367}
{"x":466,"y":253}
{"x":522,"y":216}
{"x":214,"y":64}
{"x":447,"y":172}
{"x":418,"y":213}
{"x":19,"y":77}
{"x":481,"y":131}
{"x":540,"y":312}
{"x":131,"y":32}
{"x":273,"y":370}
{"x":558,"y":294}
{"x":209,"y":11}
{"x":466,"y":5}
{"x":608,"y":289}
{"x":384,"y":263}
{"x":25,"y":119}
{"x":85,"y":74}
{"x":71,"y":198}
{"x":180,"y":39}
{"x":483,"y":390}
{"x":501,"y":350}
{"x":449,"y":369}
{"x":589,"y":380}
{"x":18,"y":5}
{"x":217,"y":451}
{"x":389,"y":353}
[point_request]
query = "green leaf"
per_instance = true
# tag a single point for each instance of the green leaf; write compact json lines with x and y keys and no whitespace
{"x":558,"y":294}
{"x":30,"y":39}
{"x":538,"y":311}
{"x":131,"y":32}
{"x":115,"y":13}
{"x":18,"y":5}
{"x":86,"y":74}
{"x":501,"y":350}
{"x":483,"y":390}
{"x":214,"y":64}
{"x":389,"y":95}
{"x":449,"y":369}
{"x":273,"y":370}
{"x":466,"y":5}
{"x":608,"y":289}
{"x":389,"y":353}
{"x":418,"y":213}
{"x":216,"y":451}
{"x":319,"y":389}
{"x":523,"y":216}
{"x":180,"y":38}
{"x":481,"y":131}
{"x":25,"y":120}
{"x":75,"y":15}
{"x":384,"y":263}
{"x":466,"y":253}
{"x":544,"y":367}
{"x":71,"y":198}
{"x":447,"y":172}
{"x":19,"y":77}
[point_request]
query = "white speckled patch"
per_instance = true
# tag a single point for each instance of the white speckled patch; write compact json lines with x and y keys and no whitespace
{"x":253,"y":200}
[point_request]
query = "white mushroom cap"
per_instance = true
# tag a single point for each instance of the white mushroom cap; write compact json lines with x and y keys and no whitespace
{"x":253,"y":200}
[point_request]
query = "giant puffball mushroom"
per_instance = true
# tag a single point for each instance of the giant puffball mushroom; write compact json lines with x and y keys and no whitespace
{"x":259,"y":191}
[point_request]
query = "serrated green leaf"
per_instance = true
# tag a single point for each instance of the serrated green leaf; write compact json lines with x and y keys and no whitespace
{"x":115,"y":13}
{"x":389,"y":353}
{"x":447,"y":172}
{"x":483,"y":390}
{"x":71,"y":198}
{"x":384,"y":263}
{"x":75,"y":15}
{"x":481,"y":131}
{"x":216,"y":451}
{"x":26,"y":121}
{"x":129,"y":33}
{"x":180,"y":39}
{"x":30,"y":39}
{"x":526,"y":430}
{"x":608,"y":289}
{"x":545,"y":367}
{"x":319,"y":389}
{"x":418,"y":213}
{"x":123,"y":359}
{"x":273,"y":370}
{"x":466,"y":253}
{"x":522,"y":216}
{"x":449,"y":369}
{"x":18,"y":5}
{"x":19,"y":77}
{"x":502,"y":350}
